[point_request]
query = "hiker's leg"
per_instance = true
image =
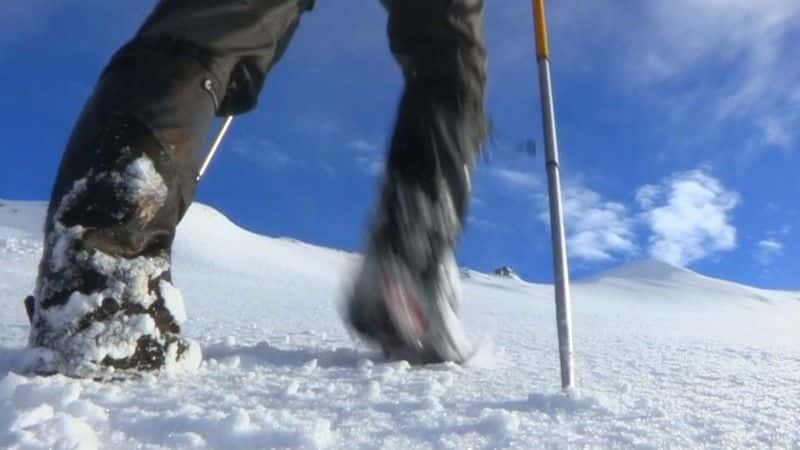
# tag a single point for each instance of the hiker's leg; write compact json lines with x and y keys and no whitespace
{"x":104,"y":297}
{"x":439,"y":131}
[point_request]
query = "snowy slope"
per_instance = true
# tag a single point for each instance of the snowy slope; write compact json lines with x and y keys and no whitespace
{"x":665,"y":358}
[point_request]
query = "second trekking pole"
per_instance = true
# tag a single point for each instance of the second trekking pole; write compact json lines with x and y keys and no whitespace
{"x":560,"y":263}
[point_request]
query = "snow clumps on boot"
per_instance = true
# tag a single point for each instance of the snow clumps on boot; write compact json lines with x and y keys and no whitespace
{"x":101,"y":305}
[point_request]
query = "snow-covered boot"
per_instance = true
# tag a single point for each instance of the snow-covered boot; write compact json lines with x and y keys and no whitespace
{"x":104,"y":301}
{"x":405,"y":294}
{"x":410,"y":316}
{"x":103,"y":298}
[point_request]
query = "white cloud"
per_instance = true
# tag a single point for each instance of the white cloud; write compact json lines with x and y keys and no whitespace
{"x":597,"y":230}
{"x":482,"y":224}
{"x":371,"y":165}
{"x":368,"y":156}
{"x":750,"y":44}
{"x":318,"y":125}
{"x":774,"y":132}
{"x":689,"y":215}
{"x":362,"y":145}
{"x":770,"y":246}
{"x":725,"y":62}
{"x":646,"y":195}
{"x":262,"y":152}
{"x":517,"y":179}
{"x":768,"y":249}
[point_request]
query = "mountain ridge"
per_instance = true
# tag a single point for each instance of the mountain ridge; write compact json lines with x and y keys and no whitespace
{"x":209,"y":224}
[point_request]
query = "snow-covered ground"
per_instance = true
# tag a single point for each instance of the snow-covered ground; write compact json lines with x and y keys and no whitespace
{"x":665,"y":358}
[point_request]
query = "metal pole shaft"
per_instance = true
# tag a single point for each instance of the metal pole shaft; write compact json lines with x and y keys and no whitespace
{"x":560,"y":263}
{"x":215,"y":146}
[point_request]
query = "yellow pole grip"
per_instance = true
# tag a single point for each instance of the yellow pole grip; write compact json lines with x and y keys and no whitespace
{"x":542,"y":47}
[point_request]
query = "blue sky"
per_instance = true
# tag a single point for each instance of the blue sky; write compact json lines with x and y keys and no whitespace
{"x":677,"y":122}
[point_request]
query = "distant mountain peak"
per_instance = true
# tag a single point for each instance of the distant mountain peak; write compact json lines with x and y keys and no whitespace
{"x":506,"y":272}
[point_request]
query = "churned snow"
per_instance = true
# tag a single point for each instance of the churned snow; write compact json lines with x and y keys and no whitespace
{"x":665,"y":358}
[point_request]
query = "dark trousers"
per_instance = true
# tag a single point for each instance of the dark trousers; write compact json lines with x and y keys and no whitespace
{"x":147,"y":120}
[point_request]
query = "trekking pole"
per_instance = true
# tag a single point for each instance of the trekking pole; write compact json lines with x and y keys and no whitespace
{"x":214,"y":146}
{"x":560,"y":269}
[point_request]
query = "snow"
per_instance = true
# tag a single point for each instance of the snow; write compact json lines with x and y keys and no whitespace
{"x":146,"y":187}
{"x":173,"y":300}
{"x":665,"y":358}
{"x":78,"y":305}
